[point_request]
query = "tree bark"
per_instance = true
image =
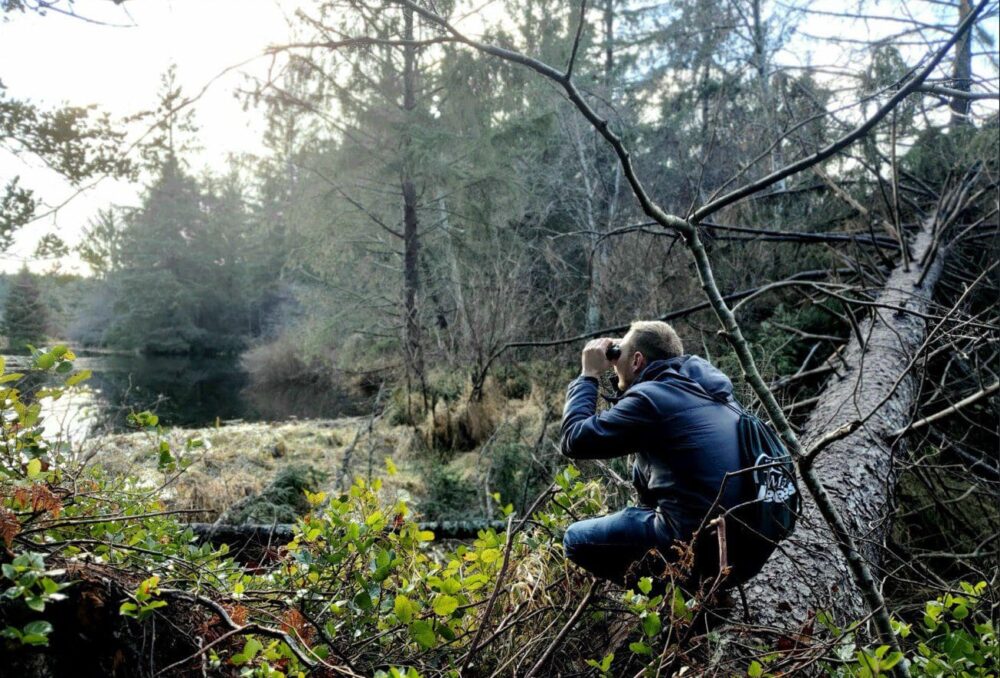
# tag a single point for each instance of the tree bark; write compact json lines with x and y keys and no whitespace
{"x":962,"y":71}
{"x":808,"y":573}
{"x":411,"y":236}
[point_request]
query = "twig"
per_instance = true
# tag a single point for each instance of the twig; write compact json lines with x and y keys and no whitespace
{"x":948,"y":410}
{"x":493,"y":597}
{"x":237,"y":629}
{"x":562,"y":633}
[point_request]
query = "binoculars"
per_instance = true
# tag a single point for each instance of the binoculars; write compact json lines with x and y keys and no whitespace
{"x":614,"y":352}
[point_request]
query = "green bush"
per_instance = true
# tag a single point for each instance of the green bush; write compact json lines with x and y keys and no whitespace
{"x":283,"y":500}
{"x":956,"y":636}
{"x":448,"y":496}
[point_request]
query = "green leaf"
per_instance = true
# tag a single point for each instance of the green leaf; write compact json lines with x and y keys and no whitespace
{"x":678,"y":606}
{"x":604,"y":665}
{"x":423,"y":633}
{"x":645,"y":585}
{"x":640,"y":648}
{"x":250,"y":650}
{"x":363,"y":600}
{"x":166,"y":459}
{"x":445,"y":605}
{"x":755,"y":670}
{"x":41,"y":628}
{"x":404,"y":609}
{"x":651,"y":624}
{"x":13,"y":376}
{"x":45,"y":361}
{"x":606,"y":662}
{"x":83,"y":375}
{"x":890,"y":661}
{"x":34,"y":468}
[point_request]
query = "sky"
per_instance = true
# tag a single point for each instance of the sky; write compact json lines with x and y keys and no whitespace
{"x":56,"y":59}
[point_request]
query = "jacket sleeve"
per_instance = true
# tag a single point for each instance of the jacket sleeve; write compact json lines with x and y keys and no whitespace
{"x":612,"y":433}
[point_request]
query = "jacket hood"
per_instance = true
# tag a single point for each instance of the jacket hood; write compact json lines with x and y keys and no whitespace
{"x":694,"y":371}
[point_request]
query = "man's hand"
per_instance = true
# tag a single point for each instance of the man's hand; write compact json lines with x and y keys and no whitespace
{"x":594,"y":361}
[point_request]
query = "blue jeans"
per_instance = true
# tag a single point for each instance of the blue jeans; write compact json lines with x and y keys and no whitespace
{"x":609,"y":545}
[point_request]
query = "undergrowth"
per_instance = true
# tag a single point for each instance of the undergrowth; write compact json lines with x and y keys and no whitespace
{"x":361,"y":589}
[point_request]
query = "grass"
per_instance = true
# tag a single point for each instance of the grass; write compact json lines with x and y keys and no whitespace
{"x":243,"y":460}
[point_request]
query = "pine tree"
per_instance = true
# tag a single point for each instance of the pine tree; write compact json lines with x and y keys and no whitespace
{"x":25,"y":317}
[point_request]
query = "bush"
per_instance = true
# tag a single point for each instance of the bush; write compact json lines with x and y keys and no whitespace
{"x":279,"y":362}
{"x":447,"y":495}
{"x":956,"y":636}
{"x":453,"y":420}
{"x":283,"y":500}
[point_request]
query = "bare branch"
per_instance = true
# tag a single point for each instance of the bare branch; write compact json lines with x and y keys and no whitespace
{"x":941,"y":414}
{"x":847,"y":140}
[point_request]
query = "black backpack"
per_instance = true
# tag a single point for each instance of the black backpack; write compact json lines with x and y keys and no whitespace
{"x":770,"y":506}
{"x":773,"y":501}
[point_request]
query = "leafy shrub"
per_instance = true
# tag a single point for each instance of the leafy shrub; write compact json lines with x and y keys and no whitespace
{"x":360,"y":582}
{"x":359,"y":577}
{"x":447,"y":495}
{"x":281,"y":501}
{"x":956,"y":636}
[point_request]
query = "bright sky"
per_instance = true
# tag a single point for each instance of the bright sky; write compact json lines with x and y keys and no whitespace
{"x":58,"y":59}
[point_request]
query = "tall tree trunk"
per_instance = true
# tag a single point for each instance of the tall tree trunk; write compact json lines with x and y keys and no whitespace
{"x":458,"y":292}
{"x":760,"y":57}
{"x":411,"y":236}
{"x":962,"y":71}
{"x":609,"y":42}
{"x":601,"y":192}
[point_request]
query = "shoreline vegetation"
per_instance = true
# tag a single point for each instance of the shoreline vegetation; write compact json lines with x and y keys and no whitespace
{"x":453,"y":463}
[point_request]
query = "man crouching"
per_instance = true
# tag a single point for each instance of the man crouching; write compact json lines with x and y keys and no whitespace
{"x":673,"y":415}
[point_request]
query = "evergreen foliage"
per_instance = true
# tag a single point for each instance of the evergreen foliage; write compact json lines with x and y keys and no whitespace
{"x":25,"y":313}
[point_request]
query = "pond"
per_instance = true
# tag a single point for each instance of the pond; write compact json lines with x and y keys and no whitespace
{"x":182,"y":391}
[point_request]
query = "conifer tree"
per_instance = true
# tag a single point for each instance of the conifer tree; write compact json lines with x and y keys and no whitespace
{"x":25,"y":316}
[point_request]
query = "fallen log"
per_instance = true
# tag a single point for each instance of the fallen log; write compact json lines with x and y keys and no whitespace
{"x":878,"y":389}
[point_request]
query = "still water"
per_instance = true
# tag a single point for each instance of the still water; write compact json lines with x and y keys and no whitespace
{"x":182,"y":391}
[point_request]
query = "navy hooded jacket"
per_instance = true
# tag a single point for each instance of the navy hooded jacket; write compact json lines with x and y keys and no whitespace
{"x":675,"y":420}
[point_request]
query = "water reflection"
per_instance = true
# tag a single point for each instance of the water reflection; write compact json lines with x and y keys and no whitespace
{"x":183,"y":391}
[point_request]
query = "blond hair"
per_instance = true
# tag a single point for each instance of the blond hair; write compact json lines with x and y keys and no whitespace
{"x":655,"y":340}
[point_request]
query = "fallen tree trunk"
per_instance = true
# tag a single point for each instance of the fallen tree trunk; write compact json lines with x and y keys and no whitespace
{"x":809,"y":573}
